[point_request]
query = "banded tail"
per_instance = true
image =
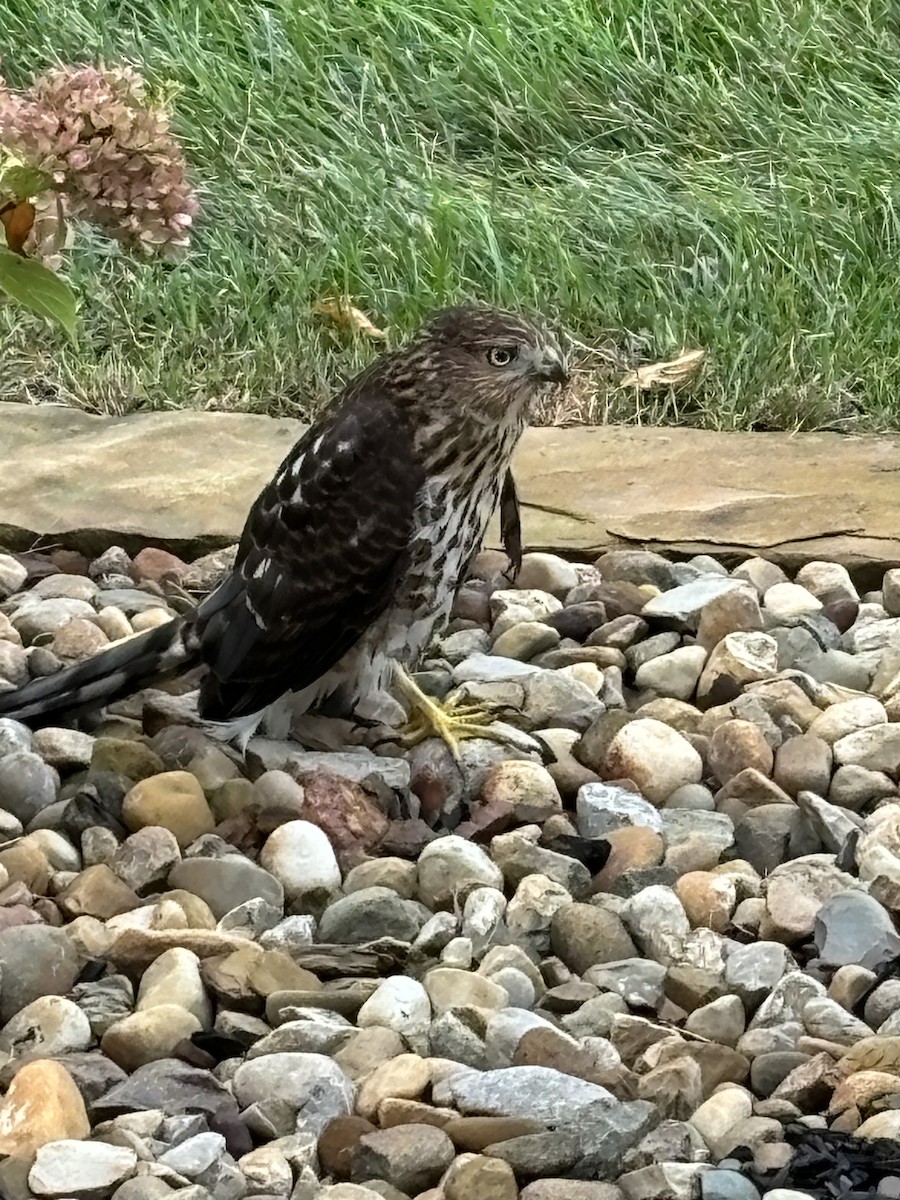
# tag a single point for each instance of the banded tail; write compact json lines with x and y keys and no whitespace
{"x":108,"y":676}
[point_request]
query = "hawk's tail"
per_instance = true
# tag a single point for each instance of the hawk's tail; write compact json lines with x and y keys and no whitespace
{"x":110,"y":675}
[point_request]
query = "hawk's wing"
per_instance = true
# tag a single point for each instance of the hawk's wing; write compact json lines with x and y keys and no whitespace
{"x":317,"y":563}
{"x":511,"y":525}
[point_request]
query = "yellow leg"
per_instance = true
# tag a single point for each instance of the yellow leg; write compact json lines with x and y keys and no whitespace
{"x":447,"y":720}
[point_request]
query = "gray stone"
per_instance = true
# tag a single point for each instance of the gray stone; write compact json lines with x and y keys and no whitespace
{"x":856,"y":787}
{"x":518,"y":855}
{"x":450,"y":866}
{"x":833,"y":825}
{"x":314,"y":1086}
{"x":48,"y":1026}
{"x":852,"y":927}
{"x":717,"y":1184}
{"x":371,"y":913}
{"x":104,"y":1001}
{"x":194,"y":1155}
{"x":877,"y":747}
{"x":63,"y":748}
{"x":27,"y":785}
{"x":67,"y":1168}
{"x":685,"y":603}
{"x":825,"y":1018}
{"x":638,"y":981}
{"x":356,"y":765}
{"x":35,"y":960}
{"x":14,"y":736}
{"x":602,"y":807}
{"x":772,"y":834}
{"x":226,"y":882}
{"x":752,"y":971}
{"x":38,"y":617}
{"x":656,"y":919}
{"x":541,"y":1093}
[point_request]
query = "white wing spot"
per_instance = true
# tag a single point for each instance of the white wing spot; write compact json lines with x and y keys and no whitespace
{"x":298,"y":464}
{"x":254,"y":614}
{"x":317,"y":443}
{"x":343,"y":447}
{"x":261,"y":569}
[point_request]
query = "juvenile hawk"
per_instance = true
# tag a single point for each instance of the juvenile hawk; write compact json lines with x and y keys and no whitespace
{"x":351,"y":556}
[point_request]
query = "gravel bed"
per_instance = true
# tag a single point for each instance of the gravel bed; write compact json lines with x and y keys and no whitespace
{"x":649,"y":949}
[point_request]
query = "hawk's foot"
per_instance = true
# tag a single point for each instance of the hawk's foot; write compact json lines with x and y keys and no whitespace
{"x":448,"y":720}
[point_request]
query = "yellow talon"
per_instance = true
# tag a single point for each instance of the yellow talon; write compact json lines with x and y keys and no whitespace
{"x":448,"y":720}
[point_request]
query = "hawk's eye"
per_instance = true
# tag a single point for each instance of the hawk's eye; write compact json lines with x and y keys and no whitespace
{"x":501,"y":356}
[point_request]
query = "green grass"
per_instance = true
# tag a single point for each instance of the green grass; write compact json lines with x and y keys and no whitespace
{"x":654,"y":176}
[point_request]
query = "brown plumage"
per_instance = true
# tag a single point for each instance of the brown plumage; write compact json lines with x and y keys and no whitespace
{"x":352,"y":554}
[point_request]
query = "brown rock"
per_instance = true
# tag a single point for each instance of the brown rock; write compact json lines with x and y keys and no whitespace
{"x":480,"y":1178}
{"x":733,"y":612}
{"x":584,"y":936}
{"x":338,"y":1143}
{"x":862,"y":1090}
{"x":410,"y":1157}
{"x":749,"y":789}
{"x":367,"y":1049}
{"x":148,"y":1035}
{"x":134,"y":949}
{"x":632,"y":848}
{"x":736,"y":746}
{"x":78,"y":639}
{"x":543,"y":1047}
{"x":97,"y":892}
{"x":809,"y":1085}
{"x":42,"y":1105}
{"x":675,"y":1088}
{"x":803,"y":764}
{"x":476,"y":1133}
{"x":157,"y":565}
{"x":527,"y":786}
{"x":405,"y":1077}
{"x":708,"y":899}
{"x":570,"y":1189}
{"x":396,"y":1111}
{"x":718,"y":1064}
{"x":692,"y":987}
{"x":245,"y":977}
{"x":871,"y":1054}
{"x":174,"y":800}
{"x":25,"y":863}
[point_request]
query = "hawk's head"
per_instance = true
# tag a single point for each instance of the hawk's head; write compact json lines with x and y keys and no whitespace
{"x":489,"y":361}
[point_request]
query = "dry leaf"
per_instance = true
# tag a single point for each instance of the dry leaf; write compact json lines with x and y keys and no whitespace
{"x":17,"y":221}
{"x":670,"y":373}
{"x":343,"y":313}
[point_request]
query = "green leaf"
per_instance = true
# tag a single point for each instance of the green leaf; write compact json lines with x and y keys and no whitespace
{"x":23,"y":182}
{"x":38,"y":289}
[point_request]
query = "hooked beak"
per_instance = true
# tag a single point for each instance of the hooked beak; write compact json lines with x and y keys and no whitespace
{"x":553,"y":368}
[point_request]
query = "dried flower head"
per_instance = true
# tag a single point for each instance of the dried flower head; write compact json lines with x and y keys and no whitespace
{"x":109,"y":149}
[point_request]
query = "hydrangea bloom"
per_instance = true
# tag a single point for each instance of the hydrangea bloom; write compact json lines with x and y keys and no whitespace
{"x":109,"y":151}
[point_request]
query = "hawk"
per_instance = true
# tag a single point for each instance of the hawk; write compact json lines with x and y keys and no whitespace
{"x":351,"y":556}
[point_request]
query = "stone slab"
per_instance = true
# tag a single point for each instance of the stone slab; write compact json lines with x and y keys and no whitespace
{"x":185,"y":480}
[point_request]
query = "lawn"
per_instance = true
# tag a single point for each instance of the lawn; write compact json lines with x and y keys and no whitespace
{"x":656,"y":176}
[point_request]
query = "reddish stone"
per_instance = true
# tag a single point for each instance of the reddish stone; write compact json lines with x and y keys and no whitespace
{"x":345,"y":811}
{"x":157,"y":565}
